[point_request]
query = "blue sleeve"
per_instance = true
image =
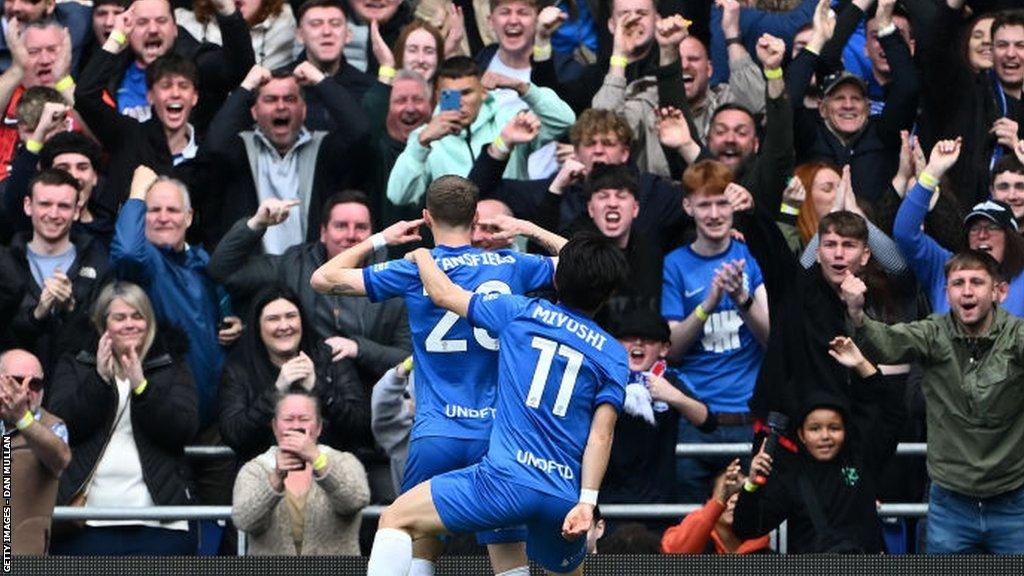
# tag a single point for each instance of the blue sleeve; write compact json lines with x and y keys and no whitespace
{"x":536,"y":271}
{"x":131,"y":254}
{"x":494,"y":311}
{"x":754,"y":23}
{"x":390,"y":279}
{"x":613,"y":389}
{"x":922,"y":252}
{"x":672,"y":305}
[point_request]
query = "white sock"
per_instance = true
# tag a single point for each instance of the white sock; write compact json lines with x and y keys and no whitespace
{"x":391,"y":554}
{"x":421,"y":567}
{"x":520,"y":571}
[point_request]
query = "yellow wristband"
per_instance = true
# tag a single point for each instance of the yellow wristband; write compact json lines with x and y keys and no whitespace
{"x":320,"y":463}
{"x":928,"y":181}
{"x":33,"y":146}
{"x":141,"y":387}
{"x":701,"y":313}
{"x":26,"y":420}
{"x":620,"y":61}
{"x":499,"y":143}
{"x":787,"y":209}
{"x":386,"y":72}
{"x":64,"y":83}
{"x":407,"y":364}
{"x":542,"y":52}
{"x":773,"y":73}
{"x":119,"y":37}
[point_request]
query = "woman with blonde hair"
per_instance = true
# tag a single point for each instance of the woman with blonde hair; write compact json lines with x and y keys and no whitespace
{"x":129,"y":403}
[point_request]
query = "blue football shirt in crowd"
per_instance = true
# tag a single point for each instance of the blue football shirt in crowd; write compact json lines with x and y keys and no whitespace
{"x":455,"y":364}
{"x":722,"y":365}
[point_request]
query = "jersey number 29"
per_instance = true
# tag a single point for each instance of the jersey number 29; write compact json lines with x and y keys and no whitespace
{"x":548,"y":349}
{"x":436,"y":341}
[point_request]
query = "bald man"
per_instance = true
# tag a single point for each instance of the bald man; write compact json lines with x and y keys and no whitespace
{"x":38,"y":453}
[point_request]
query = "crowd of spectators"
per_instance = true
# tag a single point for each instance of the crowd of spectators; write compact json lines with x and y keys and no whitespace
{"x":805,"y":191}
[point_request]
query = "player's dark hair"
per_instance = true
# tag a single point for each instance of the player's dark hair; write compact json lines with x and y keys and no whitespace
{"x":451,"y":200}
{"x":590,"y":268}
{"x":1006,"y":18}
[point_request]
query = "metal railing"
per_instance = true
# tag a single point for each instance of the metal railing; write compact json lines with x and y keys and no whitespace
{"x":612,"y":511}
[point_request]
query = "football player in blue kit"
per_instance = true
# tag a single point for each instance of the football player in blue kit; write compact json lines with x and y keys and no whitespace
{"x":455,"y":365}
{"x":561,"y":384}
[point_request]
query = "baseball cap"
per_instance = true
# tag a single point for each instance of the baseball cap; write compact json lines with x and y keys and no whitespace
{"x":996,"y":211}
{"x":837,"y":79}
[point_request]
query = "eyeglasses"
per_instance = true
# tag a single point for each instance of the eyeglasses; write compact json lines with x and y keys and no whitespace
{"x":35,"y":383}
{"x":988,"y":227}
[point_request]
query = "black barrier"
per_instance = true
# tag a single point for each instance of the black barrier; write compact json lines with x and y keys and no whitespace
{"x":600,"y":565}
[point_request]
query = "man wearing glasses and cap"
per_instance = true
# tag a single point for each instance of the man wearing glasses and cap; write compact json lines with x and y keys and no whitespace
{"x":35,"y":447}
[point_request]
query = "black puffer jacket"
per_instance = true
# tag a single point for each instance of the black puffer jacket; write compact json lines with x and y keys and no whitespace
{"x":248,"y":397}
{"x":164,"y":417}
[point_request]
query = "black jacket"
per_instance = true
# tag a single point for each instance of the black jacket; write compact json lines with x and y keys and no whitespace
{"x":247,"y":403}
{"x":959,"y":102}
{"x":380,"y":328}
{"x":873,"y":154}
{"x":224,"y":161}
{"x":844,"y":489}
{"x":59,"y":332}
{"x":128,"y":142}
{"x":165,"y":417}
{"x":219,"y":68}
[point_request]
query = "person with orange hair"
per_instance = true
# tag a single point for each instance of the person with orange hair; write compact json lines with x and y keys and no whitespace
{"x":717,"y":308}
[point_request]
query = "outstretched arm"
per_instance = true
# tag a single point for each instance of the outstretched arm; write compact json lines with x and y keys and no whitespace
{"x":442,"y":291}
{"x":343,"y":274}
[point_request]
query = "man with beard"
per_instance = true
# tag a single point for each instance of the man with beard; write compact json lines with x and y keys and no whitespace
{"x":280,"y":158}
{"x":989,"y":227}
{"x":973,"y":362}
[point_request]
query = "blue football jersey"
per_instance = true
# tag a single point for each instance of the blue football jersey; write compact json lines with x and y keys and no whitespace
{"x":456,"y":365}
{"x":721,"y":365}
{"x":555,"y":368}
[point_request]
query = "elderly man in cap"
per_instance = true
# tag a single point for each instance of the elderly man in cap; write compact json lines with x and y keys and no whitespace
{"x":39,"y":451}
{"x":989,"y":227}
{"x":842,"y":131}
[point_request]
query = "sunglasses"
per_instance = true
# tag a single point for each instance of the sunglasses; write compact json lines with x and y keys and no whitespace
{"x":35,"y":383}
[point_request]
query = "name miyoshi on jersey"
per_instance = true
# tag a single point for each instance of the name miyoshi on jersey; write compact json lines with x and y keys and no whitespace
{"x":560,"y":320}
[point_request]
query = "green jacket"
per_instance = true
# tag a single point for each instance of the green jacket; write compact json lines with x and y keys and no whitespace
{"x":418,"y":166}
{"x":974,"y":389}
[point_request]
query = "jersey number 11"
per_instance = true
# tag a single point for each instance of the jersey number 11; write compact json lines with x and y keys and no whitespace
{"x":548,"y":349}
